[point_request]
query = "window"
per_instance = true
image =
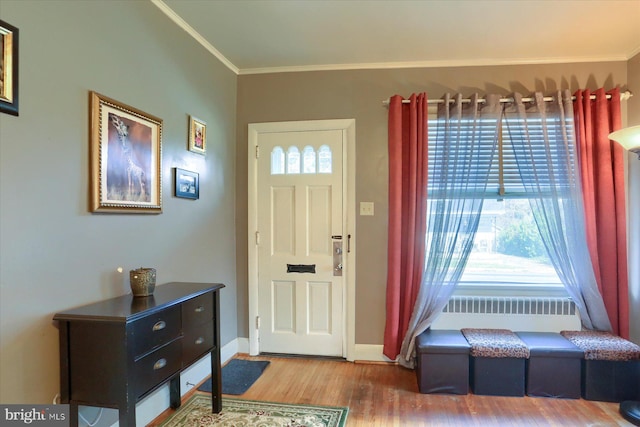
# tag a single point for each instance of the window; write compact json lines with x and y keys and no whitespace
{"x":508,"y":253}
{"x":507,"y":250}
{"x":293,"y":160}
{"x":324,"y":157}
{"x":312,"y":162}
{"x":277,"y":161}
{"x":308,"y":160}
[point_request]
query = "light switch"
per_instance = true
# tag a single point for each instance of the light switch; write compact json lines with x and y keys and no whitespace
{"x":366,"y":208}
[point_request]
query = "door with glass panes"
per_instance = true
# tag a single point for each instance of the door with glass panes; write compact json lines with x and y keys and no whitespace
{"x":300,"y":238}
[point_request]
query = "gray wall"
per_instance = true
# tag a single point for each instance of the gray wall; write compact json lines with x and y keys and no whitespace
{"x":54,"y":254}
{"x":359,"y":94}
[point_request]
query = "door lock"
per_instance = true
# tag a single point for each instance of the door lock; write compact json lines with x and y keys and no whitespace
{"x":337,"y":258}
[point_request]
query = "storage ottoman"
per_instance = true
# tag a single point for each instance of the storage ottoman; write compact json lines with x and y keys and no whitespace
{"x":442,"y":362}
{"x":553,"y":367}
{"x":497,"y":362}
{"x":610,"y":368}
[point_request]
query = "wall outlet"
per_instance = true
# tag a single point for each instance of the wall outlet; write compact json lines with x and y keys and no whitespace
{"x":366,"y":208}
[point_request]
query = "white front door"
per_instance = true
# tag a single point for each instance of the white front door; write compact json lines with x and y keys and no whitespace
{"x":300,"y":241}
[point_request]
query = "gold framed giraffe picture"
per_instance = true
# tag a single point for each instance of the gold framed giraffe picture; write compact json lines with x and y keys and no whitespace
{"x":126,"y":158}
{"x":8,"y":68}
{"x":197,"y":135}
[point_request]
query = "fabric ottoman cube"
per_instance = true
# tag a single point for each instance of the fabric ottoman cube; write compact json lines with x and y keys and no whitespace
{"x":497,"y":362}
{"x":553,"y":367}
{"x":442,"y":362}
{"x":610,"y":368}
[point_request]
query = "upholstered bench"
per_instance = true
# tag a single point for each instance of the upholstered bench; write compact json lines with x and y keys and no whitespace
{"x":442,"y":362}
{"x":497,"y":362}
{"x":610,"y":368}
{"x":553,"y":367}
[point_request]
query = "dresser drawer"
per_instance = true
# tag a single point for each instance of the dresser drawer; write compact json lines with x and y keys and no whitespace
{"x":156,"y":367}
{"x":197,"y":341}
{"x":197,"y":310}
{"x":155,"y":330}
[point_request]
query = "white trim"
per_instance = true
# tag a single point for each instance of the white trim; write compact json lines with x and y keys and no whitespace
{"x":252,"y":247}
{"x":348,"y":126}
{"x":349,"y":197}
{"x":509,"y":290}
{"x":193,"y":33}
{"x":633,"y":53}
{"x":238,"y":345}
{"x":430,"y":64}
{"x":370,"y":353}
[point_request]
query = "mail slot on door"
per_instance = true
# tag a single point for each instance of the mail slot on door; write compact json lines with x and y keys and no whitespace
{"x":301,"y":268}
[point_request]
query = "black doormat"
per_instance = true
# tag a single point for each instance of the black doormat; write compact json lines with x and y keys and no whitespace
{"x":238,"y":375}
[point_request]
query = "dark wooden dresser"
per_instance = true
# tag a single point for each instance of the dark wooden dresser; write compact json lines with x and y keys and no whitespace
{"x":115,"y":352}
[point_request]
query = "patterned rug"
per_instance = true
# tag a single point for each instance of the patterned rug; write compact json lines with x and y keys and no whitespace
{"x":196,"y":412}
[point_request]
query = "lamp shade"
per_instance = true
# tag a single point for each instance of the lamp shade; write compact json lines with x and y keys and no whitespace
{"x":629,"y":138}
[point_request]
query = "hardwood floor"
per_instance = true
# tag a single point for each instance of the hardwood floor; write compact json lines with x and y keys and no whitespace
{"x":387,"y":395}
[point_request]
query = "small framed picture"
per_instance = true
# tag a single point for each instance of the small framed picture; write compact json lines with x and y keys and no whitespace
{"x":8,"y":68}
{"x":187,"y":184}
{"x":197,"y":135}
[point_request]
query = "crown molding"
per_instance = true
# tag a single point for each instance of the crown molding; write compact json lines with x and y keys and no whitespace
{"x":193,"y":33}
{"x":430,"y":64}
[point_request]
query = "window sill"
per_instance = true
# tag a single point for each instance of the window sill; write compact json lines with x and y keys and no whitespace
{"x":511,"y":290}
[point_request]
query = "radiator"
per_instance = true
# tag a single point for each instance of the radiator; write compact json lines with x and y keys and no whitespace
{"x":533,"y":314}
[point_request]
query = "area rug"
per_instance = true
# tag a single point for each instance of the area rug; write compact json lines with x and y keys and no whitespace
{"x":238,"y":375}
{"x":196,"y":412}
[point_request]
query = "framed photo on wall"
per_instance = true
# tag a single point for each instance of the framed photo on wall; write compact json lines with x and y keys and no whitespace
{"x":8,"y":68}
{"x":126,"y":158}
{"x":187,"y":184}
{"x":197,"y":135}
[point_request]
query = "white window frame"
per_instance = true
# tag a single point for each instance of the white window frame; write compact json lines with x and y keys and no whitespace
{"x":511,"y":289}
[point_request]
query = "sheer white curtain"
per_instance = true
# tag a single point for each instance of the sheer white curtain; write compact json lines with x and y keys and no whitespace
{"x":543,"y":138}
{"x":461,"y":148}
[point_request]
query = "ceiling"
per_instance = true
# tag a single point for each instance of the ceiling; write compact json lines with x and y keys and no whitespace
{"x":257,"y":36}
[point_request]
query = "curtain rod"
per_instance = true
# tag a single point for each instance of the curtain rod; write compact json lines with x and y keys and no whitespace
{"x":623,"y":97}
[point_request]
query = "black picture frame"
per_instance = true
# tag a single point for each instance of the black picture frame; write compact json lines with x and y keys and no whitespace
{"x":187,"y":184}
{"x":9,"y":37}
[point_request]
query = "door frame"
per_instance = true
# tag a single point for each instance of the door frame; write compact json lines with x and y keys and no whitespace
{"x":348,"y":128}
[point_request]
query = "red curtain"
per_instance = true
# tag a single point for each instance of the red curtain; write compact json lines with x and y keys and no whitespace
{"x":602,"y":171}
{"x":408,"y":157}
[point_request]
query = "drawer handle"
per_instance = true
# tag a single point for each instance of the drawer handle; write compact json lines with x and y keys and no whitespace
{"x":160,"y":364}
{"x":199,"y":341}
{"x":160,"y":325}
{"x":199,"y":309}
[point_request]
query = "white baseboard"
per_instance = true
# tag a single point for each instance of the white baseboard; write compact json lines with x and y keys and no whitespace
{"x":239,"y":345}
{"x":370,"y":353}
